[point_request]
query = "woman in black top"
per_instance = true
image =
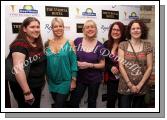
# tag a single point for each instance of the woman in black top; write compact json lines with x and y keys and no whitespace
{"x":115,"y":36}
{"x":27,"y":48}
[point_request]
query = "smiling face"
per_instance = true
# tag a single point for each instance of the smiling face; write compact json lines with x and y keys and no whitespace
{"x":58,"y":29}
{"x":115,"y":32}
{"x":135,"y":31}
{"x":90,"y":29}
{"x":32,"y":30}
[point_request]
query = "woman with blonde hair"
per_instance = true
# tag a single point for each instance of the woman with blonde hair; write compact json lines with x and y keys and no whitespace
{"x":61,"y":64}
{"x":90,"y":64}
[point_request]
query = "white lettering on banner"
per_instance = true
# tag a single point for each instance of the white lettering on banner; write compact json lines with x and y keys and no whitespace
{"x":20,"y":66}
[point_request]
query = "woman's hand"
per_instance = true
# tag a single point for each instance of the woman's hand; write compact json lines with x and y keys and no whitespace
{"x":134,"y":89}
{"x":73,"y":85}
{"x":84,"y":65}
{"x":114,"y":70}
{"x":29,"y":98}
{"x":138,"y":88}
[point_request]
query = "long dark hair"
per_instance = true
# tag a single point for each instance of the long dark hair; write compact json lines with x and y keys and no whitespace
{"x":22,"y":36}
{"x":143,"y":27}
{"x":110,"y":38}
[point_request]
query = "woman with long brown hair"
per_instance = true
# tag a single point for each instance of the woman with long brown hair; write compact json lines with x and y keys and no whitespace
{"x":136,"y":63}
{"x":111,"y":73}
{"x":27,"y":49}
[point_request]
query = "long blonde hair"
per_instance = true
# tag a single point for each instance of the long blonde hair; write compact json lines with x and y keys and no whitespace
{"x":59,"y":20}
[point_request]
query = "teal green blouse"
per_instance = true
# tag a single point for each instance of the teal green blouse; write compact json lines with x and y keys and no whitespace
{"x":61,"y":67}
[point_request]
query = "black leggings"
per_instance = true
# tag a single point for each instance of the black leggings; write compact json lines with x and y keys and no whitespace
{"x":131,"y":101}
{"x":59,"y":100}
{"x":7,"y":95}
{"x":18,"y":95}
{"x":78,"y":93}
{"x":112,"y":93}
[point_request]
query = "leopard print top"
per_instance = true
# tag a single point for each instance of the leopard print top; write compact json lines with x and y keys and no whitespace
{"x":135,"y":70}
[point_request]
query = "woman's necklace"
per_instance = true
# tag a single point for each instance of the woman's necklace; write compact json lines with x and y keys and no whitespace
{"x":137,"y":46}
{"x":57,"y":44}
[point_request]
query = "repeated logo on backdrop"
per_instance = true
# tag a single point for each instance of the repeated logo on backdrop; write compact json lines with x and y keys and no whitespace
{"x":57,"y":11}
{"x":48,"y":28}
{"x":108,"y":14}
{"x":88,"y":13}
{"x":133,"y":15}
{"x":28,"y":9}
{"x":16,"y":27}
{"x":79,"y":27}
{"x":105,"y":28}
{"x":25,"y":11}
{"x":13,"y":7}
{"x":76,"y":18}
{"x":130,"y":16}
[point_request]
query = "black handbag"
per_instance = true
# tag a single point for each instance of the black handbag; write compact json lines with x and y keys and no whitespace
{"x":9,"y":70}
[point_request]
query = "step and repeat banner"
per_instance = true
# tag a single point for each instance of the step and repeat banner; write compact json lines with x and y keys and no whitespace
{"x":74,"y":17}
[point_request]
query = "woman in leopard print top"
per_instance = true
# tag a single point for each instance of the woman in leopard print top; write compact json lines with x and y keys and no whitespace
{"x":134,"y":72}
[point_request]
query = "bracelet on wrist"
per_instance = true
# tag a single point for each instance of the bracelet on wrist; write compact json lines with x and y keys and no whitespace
{"x":27,"y":93}
{"x":74,"y":79}
{"x":137,"y":88}
{"x":130,"y":86}
{"x":127,"y":82}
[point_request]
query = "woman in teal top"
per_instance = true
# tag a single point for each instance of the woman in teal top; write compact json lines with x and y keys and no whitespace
{"x":61,"y":64}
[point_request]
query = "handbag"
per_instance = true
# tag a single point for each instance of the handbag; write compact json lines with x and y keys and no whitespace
{"x":9,"y":69}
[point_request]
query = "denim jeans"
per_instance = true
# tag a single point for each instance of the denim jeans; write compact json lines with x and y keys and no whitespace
{"x":78,"y":93}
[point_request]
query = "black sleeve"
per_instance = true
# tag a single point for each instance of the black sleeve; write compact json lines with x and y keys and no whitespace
{"x":108,"y":63}
{"x":20,"y":49}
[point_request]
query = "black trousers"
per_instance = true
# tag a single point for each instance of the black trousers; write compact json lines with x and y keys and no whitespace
{"x":131,"y":101}
{"x":7,"y":95}
{"x":112,"y":93}
{"x":59,"y":100}
{"x":78,"y":93}
{"x":18,"y":95}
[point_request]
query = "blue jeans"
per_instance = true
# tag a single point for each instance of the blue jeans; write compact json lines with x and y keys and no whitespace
{"x":78,"y":93}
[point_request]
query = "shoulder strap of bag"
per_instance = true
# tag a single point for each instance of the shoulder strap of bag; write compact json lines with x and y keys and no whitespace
{"x":134,"y":52}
